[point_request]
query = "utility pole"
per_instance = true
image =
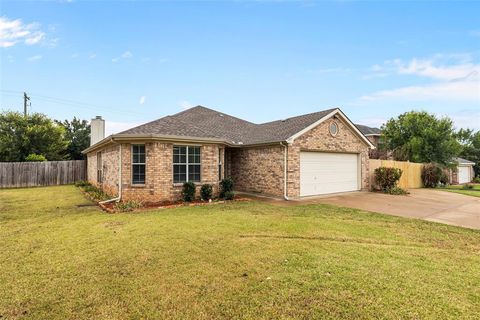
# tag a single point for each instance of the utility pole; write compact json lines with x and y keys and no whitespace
{"x":25,"y":99}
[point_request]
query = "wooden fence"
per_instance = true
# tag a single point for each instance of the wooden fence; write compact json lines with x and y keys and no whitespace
{"x":411,"y":176}
{"x":34,"y":174}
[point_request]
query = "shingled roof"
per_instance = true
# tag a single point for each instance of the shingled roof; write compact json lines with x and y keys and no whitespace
{"x":207,"y":123}
{"x":368,"y":130}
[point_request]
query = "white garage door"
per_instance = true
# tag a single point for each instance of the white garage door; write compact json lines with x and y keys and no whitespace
{"x":463,"y":174}
{"x":322,"y":173}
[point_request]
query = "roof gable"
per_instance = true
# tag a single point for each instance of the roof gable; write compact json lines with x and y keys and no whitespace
{"x":202,"y":122}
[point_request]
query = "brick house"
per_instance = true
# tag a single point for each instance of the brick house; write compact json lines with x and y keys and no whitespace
{"x":312,"y":154}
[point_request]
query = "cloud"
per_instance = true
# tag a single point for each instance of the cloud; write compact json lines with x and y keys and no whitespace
{"x":92,"y":56}
{"x":34,"y":58}
{"x":142,"y":100}
{"x":454,"y":78}
{"x":466,"y":119}
{"x":372,"y":122}
{"x":125,"y":55}
{"x":13,"y":32}
{"x":184,"y":105}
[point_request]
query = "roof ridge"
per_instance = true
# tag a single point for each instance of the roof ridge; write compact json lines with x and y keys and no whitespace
{"x":301,"y":115}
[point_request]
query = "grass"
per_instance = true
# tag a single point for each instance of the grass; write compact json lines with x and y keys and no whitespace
{"x":475,"y":192}
{"x":62,"y":258}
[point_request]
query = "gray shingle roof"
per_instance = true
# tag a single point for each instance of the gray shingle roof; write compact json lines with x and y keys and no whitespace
{"x":207,"y":123}
{"x":368,"y":130}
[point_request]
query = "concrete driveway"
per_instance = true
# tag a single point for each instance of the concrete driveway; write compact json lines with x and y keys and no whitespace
{"x":432,"y":205}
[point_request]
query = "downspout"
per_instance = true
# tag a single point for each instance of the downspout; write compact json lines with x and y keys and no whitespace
{"x":119,"y":197}
{"x":285,"y":196}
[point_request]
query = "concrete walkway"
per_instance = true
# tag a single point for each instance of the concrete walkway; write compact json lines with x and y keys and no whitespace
{"x":427,"y":204}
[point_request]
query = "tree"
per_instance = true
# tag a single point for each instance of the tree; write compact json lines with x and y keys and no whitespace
{"x":21,"y":136}
{"x":470,"y":142}
{"x":421,"y":137}
{"x":77,"y":132}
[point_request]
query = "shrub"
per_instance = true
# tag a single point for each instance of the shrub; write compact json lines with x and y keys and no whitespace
{"x":468,"y":186}
{"x":444,"y":178}
{"x":396,"y":191}
{"x":188,"y":191}
{"x":476,"y":180}
{"x":129,"y":205}
{"x":32,"y":157}
{"x":206,"y":192}
{"x":229,"y":195}
{"x":226,"y":185}
{"x":387,"y":178}
{"x":82,"y":183}
{"x":431,"y":175}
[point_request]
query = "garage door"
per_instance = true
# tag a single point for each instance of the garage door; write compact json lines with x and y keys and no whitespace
{"x":463,"y":174}
{"x":323,"y":173}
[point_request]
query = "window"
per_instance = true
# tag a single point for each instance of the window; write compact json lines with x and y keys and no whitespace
{"x":99,"y":167}
{"x":333,"y":128}
{"x":138,"y":164}
{"x":186,"y":164}
{"x":220,"y":164}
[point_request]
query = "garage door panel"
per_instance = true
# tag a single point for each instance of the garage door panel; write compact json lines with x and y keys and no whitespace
{"x":323,"y":173}
{"x":463,"y":174}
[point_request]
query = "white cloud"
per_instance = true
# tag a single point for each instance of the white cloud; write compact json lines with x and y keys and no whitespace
{"x":466,"y":119}
{"x":125,"y":55}
{"x":13,"y":32}
{"x":184,"y":105}
{"x":34,"y":58}
{"x":454,"y":78}
{"x":372,"y":122}
{"x":142,"y":100}
{"x":112,"y":127}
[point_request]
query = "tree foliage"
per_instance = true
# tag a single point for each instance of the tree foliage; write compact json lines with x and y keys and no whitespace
{"x":21,"y":136}
{"x":421,"y":137}
{"x":77,"y":132}
{"x":470,"y":142}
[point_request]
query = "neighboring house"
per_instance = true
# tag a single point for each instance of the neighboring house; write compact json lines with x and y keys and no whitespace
{"x":312,"y":154}
{"x":463,"y":173}
{"x":374,"y":134}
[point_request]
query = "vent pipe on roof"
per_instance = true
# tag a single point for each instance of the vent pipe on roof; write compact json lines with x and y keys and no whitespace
{"x":97,"y":130}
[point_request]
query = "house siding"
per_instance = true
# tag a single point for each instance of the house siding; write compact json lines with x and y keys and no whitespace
{"x":159,"y":186}
{"x":257,"y":170}
{"x":320,"y":139}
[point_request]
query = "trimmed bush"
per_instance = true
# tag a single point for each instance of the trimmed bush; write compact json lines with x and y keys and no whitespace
{"x":226,"y":185}
{"x":206,"y":192}
{"x":468,"y":186}
{"x":387,"y":178}
{"x":431,"y":175}
{"x":188,"y":191}
{"x":229,"y":195}
{"x":396,"y":191}
{"x":35,"y":158}
{"x":476,"y":180}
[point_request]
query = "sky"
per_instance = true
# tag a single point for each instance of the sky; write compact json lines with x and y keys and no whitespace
{"x":136,"y":61}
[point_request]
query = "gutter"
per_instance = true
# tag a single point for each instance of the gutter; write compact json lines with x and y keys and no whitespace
{"x":285,"y":196}
{"x":119,"y":197}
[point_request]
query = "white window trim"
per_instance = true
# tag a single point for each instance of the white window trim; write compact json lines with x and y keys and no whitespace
{"x":187,"y":163}
{"x":139,"y":163}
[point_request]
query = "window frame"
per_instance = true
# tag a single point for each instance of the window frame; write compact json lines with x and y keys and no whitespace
{"x":187,"y":163}
{"x":99,"y":167}
{"x":139,"y":164}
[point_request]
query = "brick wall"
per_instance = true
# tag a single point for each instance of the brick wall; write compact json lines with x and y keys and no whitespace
{"x":258,"y":170}
{"x":159,"y":184}
{"x":320,"y":139}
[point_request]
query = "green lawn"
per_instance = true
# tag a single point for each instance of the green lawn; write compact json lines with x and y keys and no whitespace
{"x":475,"y":192}
{"x":60,"y":259}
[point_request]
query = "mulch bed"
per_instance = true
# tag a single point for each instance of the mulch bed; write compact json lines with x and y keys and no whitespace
{"x":110,"y":207}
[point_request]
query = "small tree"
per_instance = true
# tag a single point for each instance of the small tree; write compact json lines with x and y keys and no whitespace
{"x":432,"y":174}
